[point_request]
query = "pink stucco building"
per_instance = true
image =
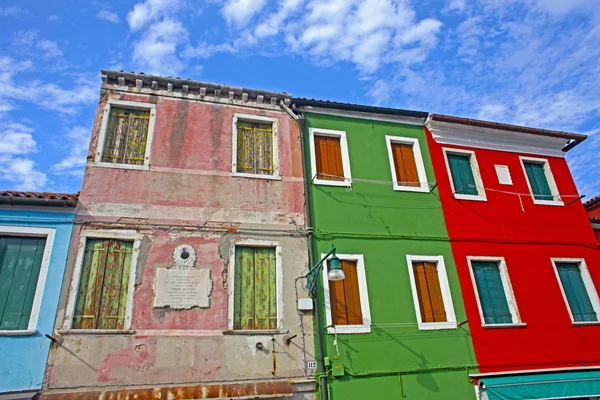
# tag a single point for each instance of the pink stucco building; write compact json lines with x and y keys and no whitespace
{"x":189,"y":237}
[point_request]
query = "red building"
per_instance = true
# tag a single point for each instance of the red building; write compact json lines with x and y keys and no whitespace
{"x":593,"y":210}
{"x":527,"y":258}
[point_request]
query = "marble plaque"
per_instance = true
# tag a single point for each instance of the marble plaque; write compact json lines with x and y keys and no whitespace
{"x":181,"y":289}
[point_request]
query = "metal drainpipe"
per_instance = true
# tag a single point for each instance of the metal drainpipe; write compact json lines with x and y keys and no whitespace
{"x":311,"y":241}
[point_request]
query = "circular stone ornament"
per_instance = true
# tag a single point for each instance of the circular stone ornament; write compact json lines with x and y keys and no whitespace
{"x":184,"y":256}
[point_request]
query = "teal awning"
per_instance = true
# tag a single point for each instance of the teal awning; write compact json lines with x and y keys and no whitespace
{"x":556,"y":385}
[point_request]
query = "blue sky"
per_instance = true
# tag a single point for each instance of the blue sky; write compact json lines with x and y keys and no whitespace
{"x":530,"y":62}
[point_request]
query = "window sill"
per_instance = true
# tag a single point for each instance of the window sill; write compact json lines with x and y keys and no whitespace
{"x":121,"y":166}
{"x":347,"y":182}
{"x":342,"y":329}
{"x":548,"y":202}
{"x":431,"y":326}
{"x":420,"y":189}
{"x":95,"y":331}
{"x":23,"y":332}
{"x":256,"y":332}
{"x":587,"y":323}
{"x":470,"y":197}
{"x":504,"y":326}
{"x":256,"y":176}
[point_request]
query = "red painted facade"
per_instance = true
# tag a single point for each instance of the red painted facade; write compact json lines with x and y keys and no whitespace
{"x":527,"y":236}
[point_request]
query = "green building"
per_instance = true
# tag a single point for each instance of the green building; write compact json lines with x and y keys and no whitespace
{"x":395,"y":327}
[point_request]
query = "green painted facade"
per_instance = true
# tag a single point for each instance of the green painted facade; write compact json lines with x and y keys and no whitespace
{"x":396,"y":360}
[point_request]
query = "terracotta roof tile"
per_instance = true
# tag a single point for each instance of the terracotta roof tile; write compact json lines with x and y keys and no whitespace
{"x":592,"y":201}
{"x":40,"y":195}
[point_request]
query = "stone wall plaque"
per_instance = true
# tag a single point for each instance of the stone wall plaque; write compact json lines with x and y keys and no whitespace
{"x":182,"y":289}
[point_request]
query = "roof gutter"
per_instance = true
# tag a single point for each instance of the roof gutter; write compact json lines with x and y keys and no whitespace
{"x":359,"y":108}
{"x":28,"y":201}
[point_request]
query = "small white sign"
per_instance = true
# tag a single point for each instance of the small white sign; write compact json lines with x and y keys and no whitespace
{"x":503,"y":174}
{"x":181,"y":289}
{"x":311,"y":364}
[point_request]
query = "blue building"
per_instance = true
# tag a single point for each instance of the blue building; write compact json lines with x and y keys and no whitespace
{"x":35,"y":233}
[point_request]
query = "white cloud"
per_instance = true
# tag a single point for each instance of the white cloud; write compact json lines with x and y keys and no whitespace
{"x":50,"y":96}
{"x":77,"y":140}
{"x":30,"y":41}
{"x":240,"y":12}
{"x":456,"y":5}
{"x":11,"y":11}
{"x":273,"y":22}
{"x":16,"y":142}
{"x":156,"y":51}
{"x":108,"y":16}
{"x":150,"y":10}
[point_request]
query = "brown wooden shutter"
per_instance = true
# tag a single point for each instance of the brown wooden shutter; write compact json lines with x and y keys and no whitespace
{"x":405,"y":165}
{"x":328,"y":154}
{"x":344,"y":296}
{"x":429,"y":292}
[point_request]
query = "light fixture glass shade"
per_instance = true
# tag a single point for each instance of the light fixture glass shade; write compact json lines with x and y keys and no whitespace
{"x":335,"y":271}
{"x":336,"y":275}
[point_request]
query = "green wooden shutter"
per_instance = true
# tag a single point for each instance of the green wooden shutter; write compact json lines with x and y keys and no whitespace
{"x":126,"y":136}
{"x":103,"y":286}
{"x":491,"y":292}
{"x":254,"y":148}
{"x":255,"y":293}
{"x":462,"y":174}
{"x":20,"y":263}
{"x":576,"y":293}
{"x":538,"y":181}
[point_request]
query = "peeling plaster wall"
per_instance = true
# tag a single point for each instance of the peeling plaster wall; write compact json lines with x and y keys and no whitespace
{"x":189,"y":197}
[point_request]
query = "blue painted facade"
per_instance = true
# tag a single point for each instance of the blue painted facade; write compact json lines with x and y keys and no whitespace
{"x":23,"y":358}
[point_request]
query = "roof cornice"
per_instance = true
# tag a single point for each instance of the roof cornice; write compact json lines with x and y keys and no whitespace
{"x":187,"y":88}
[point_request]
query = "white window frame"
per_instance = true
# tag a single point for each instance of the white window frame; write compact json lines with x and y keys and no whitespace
{"x":278,"y":282}
{"x":312,"y":132}
{"x":590,"y":288}
{"x":549,"y":177}
{"x":423,"y":183}
{"x":481,"y":196}
{"x":508,"y":291}
{"x":444,"y":287}
{"x":365,"y":308}
{"x":102,"y":136}
{"x":124,"y":234}
{"x":48,"y":233}
{"x":257,"y":119}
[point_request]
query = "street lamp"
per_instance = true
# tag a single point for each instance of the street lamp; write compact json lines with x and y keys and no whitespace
{"x":336,"y":273}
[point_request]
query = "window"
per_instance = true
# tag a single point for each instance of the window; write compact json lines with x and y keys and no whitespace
{"x":408,"y":171}
{"x":101,"y":292}
{"x":20,"y":265}
{"x":329,"y":157}
{"x":495,"y":299}
{"x":346,"y":301}
{"x":578,"y":290}
{"x":126,"y":135}
{"x":255,"y":287}
{"x":465,"y":179}
{"x":540,"y":181}
{"x":255,"y":150}
{"x":24,"y":261}
{"x":431,"y":292}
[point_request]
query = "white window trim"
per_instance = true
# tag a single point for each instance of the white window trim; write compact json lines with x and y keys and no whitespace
{"x":365,"y":308}
{"x":589,"y":287}
{"x":259,"y":119}
{"x":549,"y":177}
{"x":121,"y":234}
{"x":102,"y":137}
{"x":444,"y":287}
{"x":278,"y":280}
{"x":48,"y":233}
{"x":481,"y":196}
{"x":508,"y":291}
{"x":423,"y":183}
{"x":347,"y":182}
